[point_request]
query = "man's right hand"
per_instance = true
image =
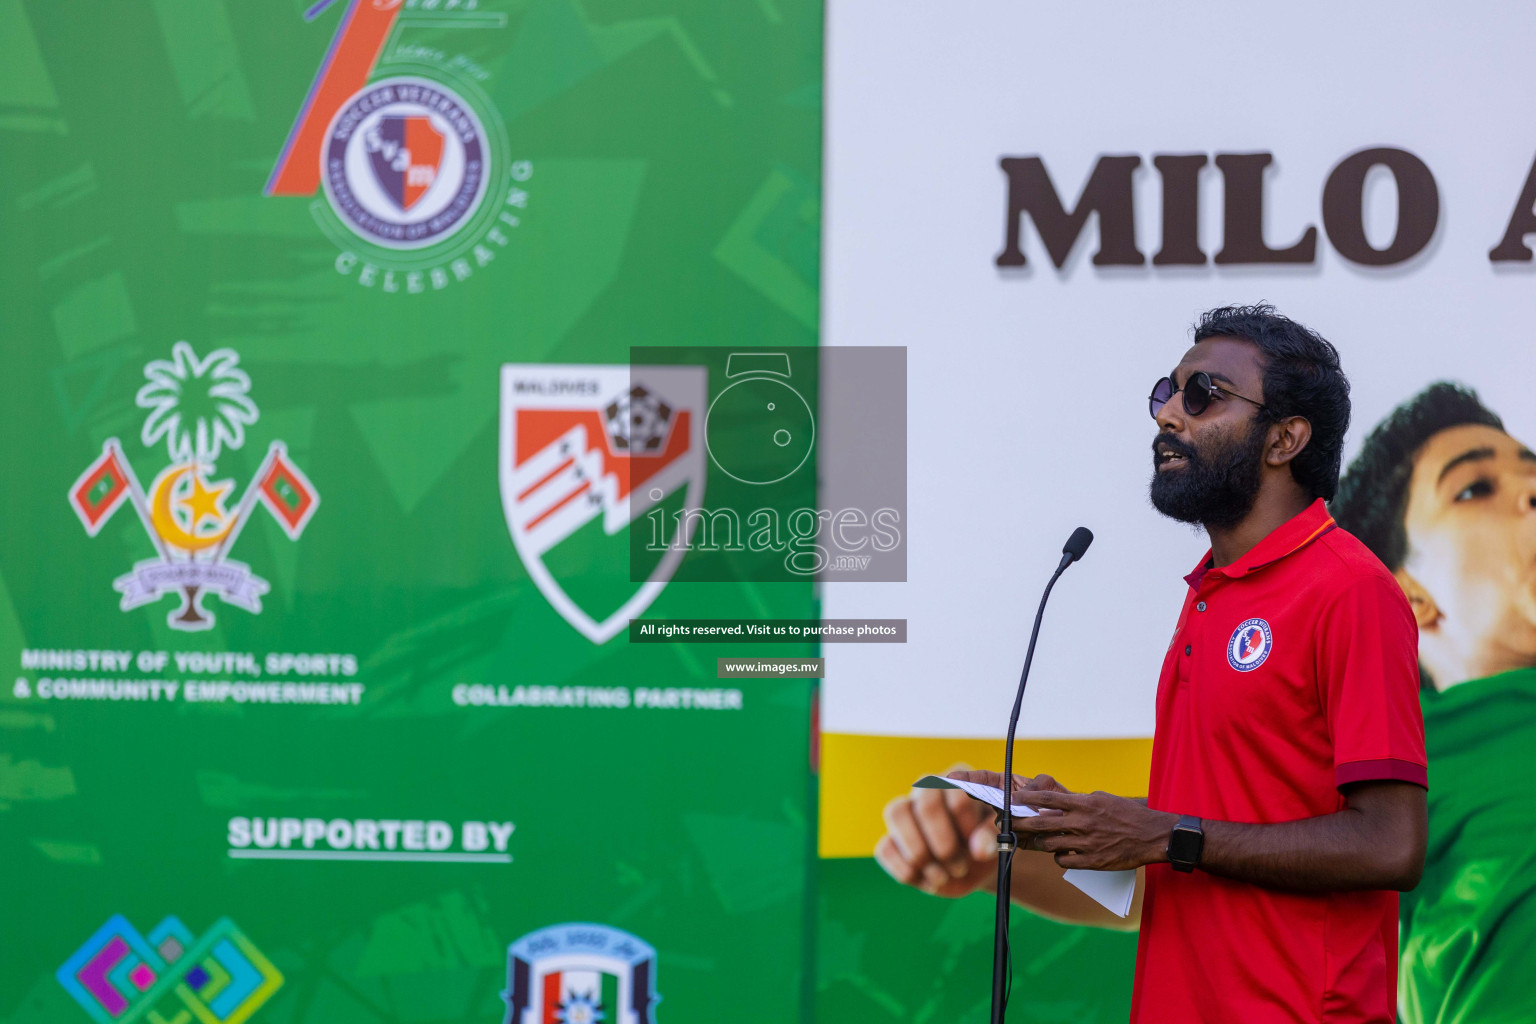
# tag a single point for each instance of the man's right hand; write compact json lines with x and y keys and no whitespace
{"x":942,"y":841}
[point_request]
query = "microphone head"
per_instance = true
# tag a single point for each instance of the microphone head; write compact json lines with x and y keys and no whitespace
{"x":1078,"y":543}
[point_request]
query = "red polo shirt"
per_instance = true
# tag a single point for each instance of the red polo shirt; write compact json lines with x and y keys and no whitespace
{"x":1292,"y":672}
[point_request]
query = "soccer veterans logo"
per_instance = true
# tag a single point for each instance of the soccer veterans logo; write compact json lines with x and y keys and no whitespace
{"x":419,"y":188}
{"x":1250,"y":644}
{"x":200,"y":408}
{"x":580,"y":974}
{"x":585,"y":451}
{"x":405,"y":163}
{"x":120,"y":976}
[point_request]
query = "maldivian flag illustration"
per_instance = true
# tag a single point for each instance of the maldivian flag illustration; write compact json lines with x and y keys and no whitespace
{"x":100,"y":489}
{"x":579,"y":997}
{"x":287,"y":492}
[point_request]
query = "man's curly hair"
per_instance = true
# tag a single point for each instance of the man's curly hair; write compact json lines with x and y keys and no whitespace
{"x":1302,"y":377}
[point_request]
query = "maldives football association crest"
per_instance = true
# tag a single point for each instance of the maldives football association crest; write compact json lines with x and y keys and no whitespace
{"x":200,"y":408}
{"x":580,"y":974}
{"x":585,"y":452}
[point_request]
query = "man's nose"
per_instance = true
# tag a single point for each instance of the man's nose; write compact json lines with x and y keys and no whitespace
{"x":1525,"y":492}
{"x":1170,"y":418}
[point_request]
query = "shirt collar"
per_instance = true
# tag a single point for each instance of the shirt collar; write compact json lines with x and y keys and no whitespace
{"x":1285,"y":539}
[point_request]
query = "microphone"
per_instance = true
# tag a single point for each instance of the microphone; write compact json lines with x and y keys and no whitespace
{"x":1075,"y":547}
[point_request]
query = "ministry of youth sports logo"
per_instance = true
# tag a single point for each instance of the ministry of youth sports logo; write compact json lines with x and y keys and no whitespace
{"x":1250,"y":644}
{"x":200,"y":407}
{"x":405,"y":163}
{"x":580,"y":974}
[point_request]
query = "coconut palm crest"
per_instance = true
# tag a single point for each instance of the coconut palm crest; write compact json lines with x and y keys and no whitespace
{"x":199,"y":406}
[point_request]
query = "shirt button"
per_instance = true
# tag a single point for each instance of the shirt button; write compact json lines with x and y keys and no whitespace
{"x":1187,"y":648}
{"x":1200,"y":607}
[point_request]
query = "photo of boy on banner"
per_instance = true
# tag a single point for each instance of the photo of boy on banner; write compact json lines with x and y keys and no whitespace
{"x":1443,"y":495}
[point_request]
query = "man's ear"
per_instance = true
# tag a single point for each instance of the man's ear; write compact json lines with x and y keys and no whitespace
{"x":1286,"y":440}
{"x":1424,"y":608}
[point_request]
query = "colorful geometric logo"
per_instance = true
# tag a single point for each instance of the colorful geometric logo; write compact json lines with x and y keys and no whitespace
{"x":120,"y":976}
{"x":585,"y":452}
{"x":580,"y":974}
{"x":200,"y":407}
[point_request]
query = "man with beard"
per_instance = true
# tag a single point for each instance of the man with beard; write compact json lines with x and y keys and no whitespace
{"x":1287,"y":797}
{"x":1447,"y":499}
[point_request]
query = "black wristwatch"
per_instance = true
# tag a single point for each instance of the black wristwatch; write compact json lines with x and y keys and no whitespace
{"x":1185,"y":843}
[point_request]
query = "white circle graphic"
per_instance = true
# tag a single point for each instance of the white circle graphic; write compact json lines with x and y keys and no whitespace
{"x":746,"y":403}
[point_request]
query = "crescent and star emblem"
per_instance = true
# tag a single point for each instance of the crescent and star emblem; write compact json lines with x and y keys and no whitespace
{"x":205,"y":502}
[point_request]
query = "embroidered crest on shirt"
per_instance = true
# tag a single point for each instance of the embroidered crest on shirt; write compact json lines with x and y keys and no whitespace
{"x":1250,"y":644}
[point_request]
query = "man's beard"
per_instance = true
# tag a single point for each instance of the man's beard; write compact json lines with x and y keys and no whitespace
{"x":1216,"y":488}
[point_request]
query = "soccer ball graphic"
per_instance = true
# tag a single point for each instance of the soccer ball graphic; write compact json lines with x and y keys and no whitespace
{"x":638,"y":423}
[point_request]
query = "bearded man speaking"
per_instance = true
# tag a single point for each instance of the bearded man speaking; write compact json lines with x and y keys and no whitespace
{"x":1287,"y":795}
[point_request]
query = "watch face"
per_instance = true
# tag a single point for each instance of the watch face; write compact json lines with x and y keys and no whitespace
{"x":1184,"y":845}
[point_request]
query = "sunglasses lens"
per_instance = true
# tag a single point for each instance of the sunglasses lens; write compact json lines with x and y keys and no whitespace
{"x":1197,"y":394}
{"x":1161,"y":392}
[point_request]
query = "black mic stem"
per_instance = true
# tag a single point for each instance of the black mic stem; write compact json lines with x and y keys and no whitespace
{"x":1007,"y":842}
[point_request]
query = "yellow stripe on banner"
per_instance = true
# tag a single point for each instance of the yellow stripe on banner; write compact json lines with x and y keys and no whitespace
{"x":860,"y":774}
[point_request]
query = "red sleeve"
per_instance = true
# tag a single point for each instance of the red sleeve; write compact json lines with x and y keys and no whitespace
{"x":1368,"y":674}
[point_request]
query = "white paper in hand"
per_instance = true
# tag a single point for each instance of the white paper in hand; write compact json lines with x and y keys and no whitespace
{"x":1113,"y":890}
{"x":986,"y":794}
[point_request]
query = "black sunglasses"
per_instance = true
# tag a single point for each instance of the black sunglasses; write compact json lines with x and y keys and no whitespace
{"x":1198,"y":392}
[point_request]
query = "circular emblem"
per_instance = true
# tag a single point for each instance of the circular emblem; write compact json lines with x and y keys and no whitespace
{"x":1250,"y":645}
{"x":404,"y":163}
{"x":759,"y":430}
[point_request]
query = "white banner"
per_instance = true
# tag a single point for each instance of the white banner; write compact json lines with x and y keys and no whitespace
{"x":1027,"y":402}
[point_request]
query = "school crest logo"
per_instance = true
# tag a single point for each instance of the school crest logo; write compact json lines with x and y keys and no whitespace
{"x":200,"y":408}
{"x":580,"y":974}
{"x":1250,"y":645}
{"x":121,"y":975}
{"x":585,"y":452}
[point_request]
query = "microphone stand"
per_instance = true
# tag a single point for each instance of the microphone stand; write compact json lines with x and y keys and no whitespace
{"x":1006,"y":840}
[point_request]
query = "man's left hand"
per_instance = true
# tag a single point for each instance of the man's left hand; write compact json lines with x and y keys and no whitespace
{"x":1095,"y":830}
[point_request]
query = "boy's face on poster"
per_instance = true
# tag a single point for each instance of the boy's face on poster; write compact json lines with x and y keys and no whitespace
{"x":1470,"y":570}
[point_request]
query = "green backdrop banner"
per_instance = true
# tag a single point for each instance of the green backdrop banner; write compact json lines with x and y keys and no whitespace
{"x":316,"y":321}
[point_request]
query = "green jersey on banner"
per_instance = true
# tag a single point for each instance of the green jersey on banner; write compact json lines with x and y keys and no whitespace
{"x":1470,"y":926}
